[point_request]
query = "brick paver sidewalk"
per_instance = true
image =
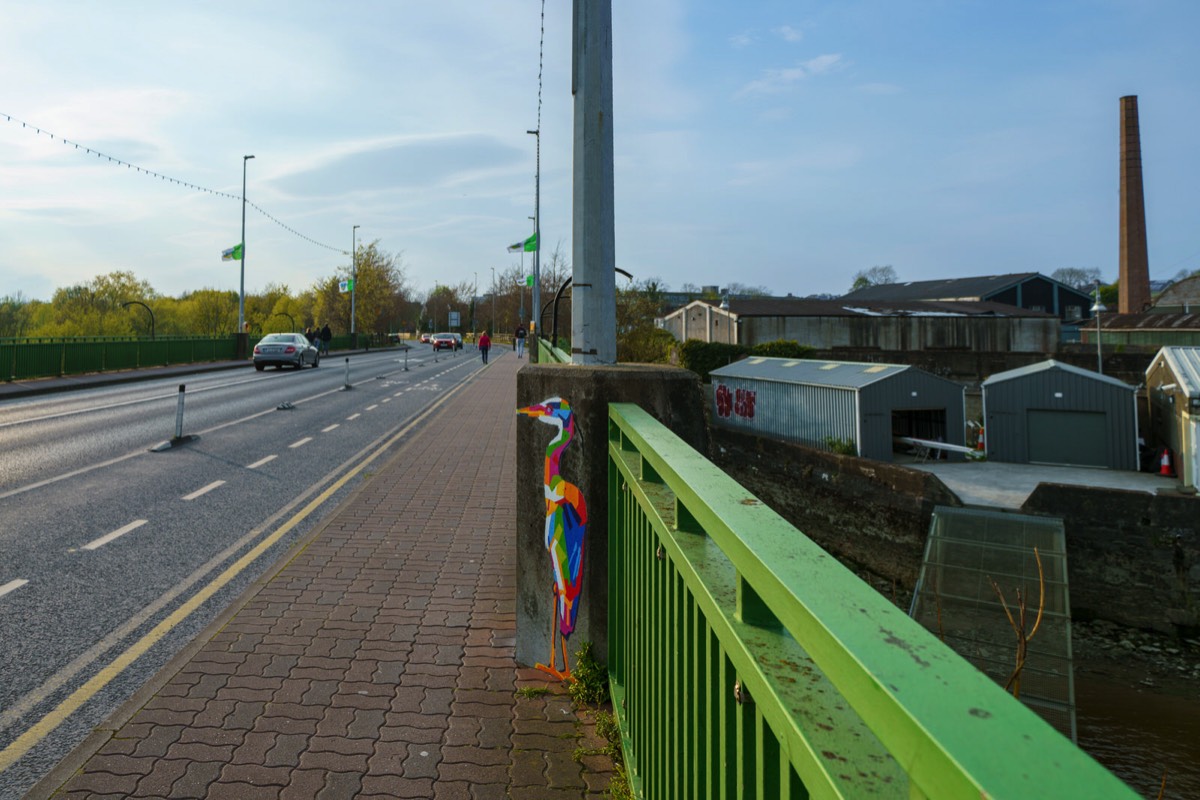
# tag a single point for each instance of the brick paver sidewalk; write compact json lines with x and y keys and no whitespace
{"x":378,"y":660}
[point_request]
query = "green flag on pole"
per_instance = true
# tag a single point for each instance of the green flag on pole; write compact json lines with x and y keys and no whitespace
{"x":528,"y":246}
{"x":232,"y":254}
{"x":529,"y":280}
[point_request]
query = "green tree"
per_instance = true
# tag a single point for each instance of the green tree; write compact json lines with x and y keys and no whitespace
{"x":260,"y":310}
{"x":875,"y":276}
{"x":381,"y":293}
{"x":211,"y":312}
{"x":1079,"y":278}
{"x":14,"y":315}
{"x":96,"y":308}
{"x":638,"y":338}
{"x":735,"y":289}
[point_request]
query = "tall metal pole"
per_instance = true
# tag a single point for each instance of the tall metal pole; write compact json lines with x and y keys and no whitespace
{"x":537,"y":233}
{"x":593,"y":280}
{"x":242,"y":260}
{"x":493,"y":328}
{"x":1096,"y":309}
{"x":353,"y":273}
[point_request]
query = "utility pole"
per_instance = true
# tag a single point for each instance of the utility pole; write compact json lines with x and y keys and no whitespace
{"x":593,"y":282}
{"x":242,"y":260}
{"x":353,"y":275}
{"x":536,"y":328}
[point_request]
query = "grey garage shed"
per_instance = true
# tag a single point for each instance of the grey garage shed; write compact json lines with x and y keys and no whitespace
{"x":819,"y":403}
{"x":1055,"y":413}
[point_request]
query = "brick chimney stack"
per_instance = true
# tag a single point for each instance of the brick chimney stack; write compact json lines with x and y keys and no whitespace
{"x":1134,"y":263}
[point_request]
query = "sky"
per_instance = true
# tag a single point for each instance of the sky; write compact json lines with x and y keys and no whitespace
{"x":785,"y":145}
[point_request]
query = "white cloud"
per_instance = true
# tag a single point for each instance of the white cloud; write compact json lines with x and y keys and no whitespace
{"x":789,"y":34}
{"x":823,"y":63}
{"x":779,"y":80}
{"x":741,"y":39}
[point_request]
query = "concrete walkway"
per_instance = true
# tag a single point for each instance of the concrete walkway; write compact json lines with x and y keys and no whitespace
{"x":375,"y":659}
{"x":993,"y":483}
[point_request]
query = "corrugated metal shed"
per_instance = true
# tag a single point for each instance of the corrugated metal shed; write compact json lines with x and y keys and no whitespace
{"x":1185,"y":364}
{"x":1173,"y":388}
{"x":1055,"y":413}
{"x":823,"y":403}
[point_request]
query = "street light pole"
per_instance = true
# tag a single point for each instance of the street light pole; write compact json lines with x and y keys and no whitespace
{"x":143,"y":305}
{"x":353,"y":273}
{"x":1096,"y":309}
{"x":537,"y":232}
{"x":242,"y":260}
{"x":493,"y":328}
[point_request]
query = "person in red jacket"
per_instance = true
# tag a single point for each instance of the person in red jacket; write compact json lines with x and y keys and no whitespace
{"x":485,"y":344}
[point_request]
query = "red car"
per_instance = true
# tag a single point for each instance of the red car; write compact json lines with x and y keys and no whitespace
{"x":445,"y":341}
{"x":424,"y":338}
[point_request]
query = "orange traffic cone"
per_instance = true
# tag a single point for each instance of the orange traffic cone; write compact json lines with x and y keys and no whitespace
{"x":979,"y":441}
{"x":1165,"y":465}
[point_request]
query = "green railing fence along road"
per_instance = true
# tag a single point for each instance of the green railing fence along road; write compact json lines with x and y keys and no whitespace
{"x":745,"y":662}
{"x":549,"y":354}
{"x":21,"y":359}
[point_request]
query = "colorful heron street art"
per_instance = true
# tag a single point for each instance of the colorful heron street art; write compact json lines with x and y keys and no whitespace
{"x":566,"y":528}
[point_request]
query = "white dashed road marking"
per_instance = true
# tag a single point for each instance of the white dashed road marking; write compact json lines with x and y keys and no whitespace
{"x":118,"y":533}
{"x":331,"y":427}
{"x":372,"y":408}
{"x":303,"y":441}
{"x":260,"y":462}
{"x":203,"y":490}
{"x":12,"y":586}
{"x":353,"y":416}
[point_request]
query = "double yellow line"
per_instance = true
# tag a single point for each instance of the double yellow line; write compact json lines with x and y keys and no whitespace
{"x":31,"y":737}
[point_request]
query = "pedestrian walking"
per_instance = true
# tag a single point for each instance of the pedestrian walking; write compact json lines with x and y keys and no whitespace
{"x":485,"y":344}
{"x":326,"y":336}
{"x":519,"y":340}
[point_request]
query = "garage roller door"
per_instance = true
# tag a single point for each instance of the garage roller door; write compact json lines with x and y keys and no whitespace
{"x":1077,"y":438}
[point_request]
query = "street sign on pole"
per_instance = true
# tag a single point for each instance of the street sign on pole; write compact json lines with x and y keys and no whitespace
{"x":346,"y":286}
{"x":453,"y":321}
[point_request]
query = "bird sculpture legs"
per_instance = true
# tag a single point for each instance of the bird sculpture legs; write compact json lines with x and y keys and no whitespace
{"x":565,"y":673}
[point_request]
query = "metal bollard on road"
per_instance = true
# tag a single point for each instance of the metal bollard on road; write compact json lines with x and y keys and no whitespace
{"x":346,"y":386}
{"x":179,"y":413}
{"x":178,"y":438}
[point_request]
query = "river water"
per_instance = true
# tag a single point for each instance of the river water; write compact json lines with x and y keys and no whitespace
{"x":1138,"y":735}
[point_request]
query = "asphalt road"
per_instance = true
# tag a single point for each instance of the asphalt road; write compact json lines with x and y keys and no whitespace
{"x":113,"y":556}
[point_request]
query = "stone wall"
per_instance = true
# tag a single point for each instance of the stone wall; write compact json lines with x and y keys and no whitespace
{"x":871,"y":515}
{"x":1133,"y":558}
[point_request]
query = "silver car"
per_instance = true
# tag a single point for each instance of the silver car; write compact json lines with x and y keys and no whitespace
{"x":285,"y":348}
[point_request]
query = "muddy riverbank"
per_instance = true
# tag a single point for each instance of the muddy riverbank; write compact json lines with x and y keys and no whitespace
{"x":1137,"y":698}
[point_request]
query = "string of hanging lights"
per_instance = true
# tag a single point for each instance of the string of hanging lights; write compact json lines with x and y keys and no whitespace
{"x":152,"y":174}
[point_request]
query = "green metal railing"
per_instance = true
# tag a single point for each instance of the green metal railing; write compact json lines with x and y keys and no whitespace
{"x":746,"y":662}
{"x":23,"y":359}
{"x":548,"y":354}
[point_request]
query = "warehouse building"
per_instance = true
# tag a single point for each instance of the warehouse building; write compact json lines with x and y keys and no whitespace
{"x":845,"y":406}
{"x":1054,"y":413}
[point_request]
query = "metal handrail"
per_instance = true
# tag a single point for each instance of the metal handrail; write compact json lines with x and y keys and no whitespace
{"x":746,"y":661}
